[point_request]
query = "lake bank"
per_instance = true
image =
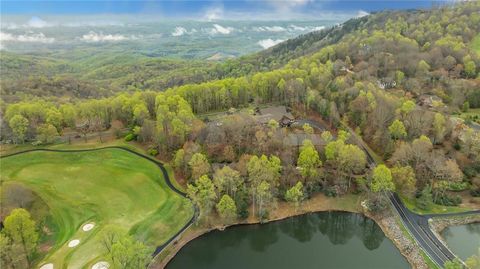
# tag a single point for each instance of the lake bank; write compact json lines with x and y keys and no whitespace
{"x":318,"y":203}
{"x":322,"y":239}
{"x":442,"y":226}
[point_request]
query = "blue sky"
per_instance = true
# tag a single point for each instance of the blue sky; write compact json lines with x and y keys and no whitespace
{"x":208,"y":9}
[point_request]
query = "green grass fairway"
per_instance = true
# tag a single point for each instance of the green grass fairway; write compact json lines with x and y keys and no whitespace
{"x":107,"y":186}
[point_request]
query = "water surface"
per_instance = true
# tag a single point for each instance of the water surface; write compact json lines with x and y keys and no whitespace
{"x":463,"y":240}
{"x":319,"y":240}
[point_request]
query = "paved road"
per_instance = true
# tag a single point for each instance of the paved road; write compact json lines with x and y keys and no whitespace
{"x":419,"y":227}
{"x":312,"y":123}
{"x":416,"y":224}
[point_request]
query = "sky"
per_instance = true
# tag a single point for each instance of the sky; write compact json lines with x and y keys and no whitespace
{"x":211,"y":9}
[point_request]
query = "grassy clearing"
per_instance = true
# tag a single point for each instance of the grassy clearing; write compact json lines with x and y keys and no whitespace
{"x":108,"y":186}
{"x":436,"y":209}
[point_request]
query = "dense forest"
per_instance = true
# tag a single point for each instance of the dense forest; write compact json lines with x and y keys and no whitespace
{"x":392,"y":79}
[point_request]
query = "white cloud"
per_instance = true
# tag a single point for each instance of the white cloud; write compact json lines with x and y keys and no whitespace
{"x":269,"y":29}
{"x":297,"y":28}
{"x":276,"y":29}
{"x":92,"y":23}
{"x":362,"y":13}
{"x":294,"y":27}
{"x":218,"y":29}
{"x":33,"y":22}
{"x":28,"y":37}
{"x":267,"y":43}
{"x":9,"y":25}
{"x":179,"y":31}
{"x":214,"y":13}
{"x":36,"y":22}
{"x":318,"y":28}
{"x":100,"y":37}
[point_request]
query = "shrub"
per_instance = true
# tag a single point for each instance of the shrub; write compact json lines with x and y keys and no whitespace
{"x":241,"y":200}
{"x":424,"y":201}
{"x":311,"y":188}
{"x":475,"y":193}
{"x":470,"y":171}
{"x":129,"y":137}
{"x":377,"y":203}
{"x":37,"y":143}
{"x":361,"y":184}
{"x":263,"y":215}
{"x":458,"y":186}
{"x":330,"y":192}
{"x":447,"y":199}
{"x":153,"y":152}
{"x":456,"y":146}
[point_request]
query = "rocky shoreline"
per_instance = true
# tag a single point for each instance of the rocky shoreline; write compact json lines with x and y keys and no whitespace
{"x":438,"y":224}
{"x":407,"y":246}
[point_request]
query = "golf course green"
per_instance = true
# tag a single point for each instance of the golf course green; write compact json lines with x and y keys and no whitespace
{"x":102,"y":187}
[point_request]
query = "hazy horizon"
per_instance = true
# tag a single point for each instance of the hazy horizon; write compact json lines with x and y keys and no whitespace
{"x":176,"y":37}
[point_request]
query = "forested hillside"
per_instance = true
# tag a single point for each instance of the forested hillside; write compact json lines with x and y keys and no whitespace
{"x":126,"y":70}
{"x":49,"y":77}
{"x":394,"y":79}
{"x":279,"y":55}
{"x":407,"y":54}
{"x":119,"y":71}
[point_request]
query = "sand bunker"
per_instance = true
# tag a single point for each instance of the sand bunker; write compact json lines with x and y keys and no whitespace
{"x":73,"y":243}
{"x":87,"y":227}
{"x":47,"y":266}
{"x":101,"y":265}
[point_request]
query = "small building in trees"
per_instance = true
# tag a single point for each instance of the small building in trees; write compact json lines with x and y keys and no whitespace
{"x":277,"y":113}
{"x":82,"y":127}
{"x":285,"y":121}
{"x":386,"y":83}
{"x":428,"y":100}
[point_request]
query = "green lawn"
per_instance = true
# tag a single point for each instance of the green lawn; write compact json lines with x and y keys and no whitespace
{"x":436,"y":209}
{"x":108,"y":186}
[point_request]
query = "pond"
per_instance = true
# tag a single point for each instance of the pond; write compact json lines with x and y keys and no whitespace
{"x":463,"y":240}
{"x":318,"y":240}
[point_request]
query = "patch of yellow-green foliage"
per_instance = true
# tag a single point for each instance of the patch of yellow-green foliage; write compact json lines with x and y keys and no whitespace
{"x":476,"y":44}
